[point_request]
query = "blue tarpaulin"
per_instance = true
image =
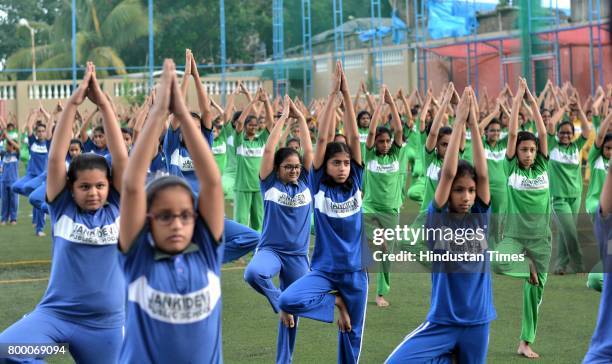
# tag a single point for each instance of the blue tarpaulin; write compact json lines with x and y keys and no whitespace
{"x":453,"y":18}
{"x":397,"y":30}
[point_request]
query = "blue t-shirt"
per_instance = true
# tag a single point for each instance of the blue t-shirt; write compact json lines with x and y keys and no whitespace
{"x":600,"y":350}
{"x":178,"y":160}
{"x":86,"y":284}
{"x":91,"y":147}
{"x":9,"y":167}
{"x":461,"y":292}
{"x":287,"y":209}
{"x":174,"y":301}
{"x":158,"y":164}
{"x":338,"y":223}
{"x":39,"y":151}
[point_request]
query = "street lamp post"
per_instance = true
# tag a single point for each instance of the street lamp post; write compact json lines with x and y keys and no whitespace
{"x":24,"y":23}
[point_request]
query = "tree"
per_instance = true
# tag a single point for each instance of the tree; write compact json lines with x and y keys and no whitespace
{"x":105,"y":30}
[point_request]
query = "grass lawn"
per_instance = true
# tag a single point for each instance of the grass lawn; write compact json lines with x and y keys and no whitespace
{"x":568,"y":311}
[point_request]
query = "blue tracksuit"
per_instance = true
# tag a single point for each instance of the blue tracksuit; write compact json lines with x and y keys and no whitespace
{"x":283,"y":249}
{"x":337,"y":261}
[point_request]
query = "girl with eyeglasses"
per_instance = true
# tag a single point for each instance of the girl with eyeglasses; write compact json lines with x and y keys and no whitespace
{"x":338,"y":276}
{"x":171,"y":251}
{"x":527,"y":225}
{"x":84,"y":302}
{"x":461,"y":295}
{"x":285,"y":237}
{"x":565,"y":168}
{"x":383,"y":197}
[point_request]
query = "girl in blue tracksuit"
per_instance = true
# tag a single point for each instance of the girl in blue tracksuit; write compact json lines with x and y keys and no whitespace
{"x":84,"y":303}
{"x":285,"y":237}
{"x":338,"y":276}
{"x":36,"y":171}
{"x":461,"y":295}
{"x":37,"y":197}
{"x":9,"y":167}
{"x":171,"y":247}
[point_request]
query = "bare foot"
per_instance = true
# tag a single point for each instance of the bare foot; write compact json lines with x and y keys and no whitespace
{"x":533,"y":275}
{"x":344,"y":320}
{"x":2,"y":223}
{"x":525,"y":350}
{"x":41,"y":234}
{"x":13,"y":222}
{"x":287,"y":319}
{"x":381,"y":302}
{"x":241,"y":262}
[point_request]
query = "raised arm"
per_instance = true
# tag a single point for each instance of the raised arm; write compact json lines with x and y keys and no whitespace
{"x":396,"y":122}
{"x":584,"y":122}
{"x":451,"y":158}
{"x":203,"y":99}
{"x":603,"y":130}
{"x":479,"y":157}
{"x":305,"y":140}
{"x":56,"y":167}
{"x":605,"y":200}
{"x":267,"y":161}
{"x":210,"y":200}
{"x":350,"y":122}
{"x":326,"y":122}
{"x":540,"y":127}
{"x":425,"y":110}
{"x":432,"y":138}
{"x":554,"y":120}
{"x":85,"y":125}
{"x":187,"y":74}
{"x":370,"y":139}
{"x":133,"y":196}
{"x":513,"y":126}
{"x":114,"y":138}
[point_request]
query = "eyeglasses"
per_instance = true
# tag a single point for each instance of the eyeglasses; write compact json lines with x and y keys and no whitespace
{"x":565,"y":133}
{"x":292,"y":167}
{"x":166,"y":218}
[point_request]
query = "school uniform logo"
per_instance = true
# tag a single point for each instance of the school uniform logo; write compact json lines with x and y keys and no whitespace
{"x":298,"y":200}
{"x":566,"y":158}
{"x":250,"y":152}
{"x":338,"y":209}
{"x":175,"y":308}
{"x":75,"y":232}
{"x":524,"y":183}
{"x":10,"y":158}
{"x":363,"y":137}
{"x":219,"y":149}
{"x":433,"y":172}
{"x":374,"y":166}
{"x":38,"y":148}
{"x":184,"y":162}
{"x":600,"y":164}
{"x":495,"y":155}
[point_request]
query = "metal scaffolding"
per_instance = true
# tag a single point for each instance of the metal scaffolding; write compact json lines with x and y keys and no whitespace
{"x":377,"y":59}
{"x":222,"y":46}
{"x":338,"y":29}
{"x":280,"y":81}
{"x":420,"y":24}
{"x":595,"y":52}
{"x":307,"y":51}
{"x":472,"y":54}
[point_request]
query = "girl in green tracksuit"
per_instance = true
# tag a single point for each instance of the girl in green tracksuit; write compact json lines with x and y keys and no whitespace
{"x":383,"y":197}
{"x":565,"y":168}
{"x":527,"y":229}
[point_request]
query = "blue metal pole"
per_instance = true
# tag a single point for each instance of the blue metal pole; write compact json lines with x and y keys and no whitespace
{"x":151,"y":50}
{"x":223,"y":48}
{"x":74,"y":69}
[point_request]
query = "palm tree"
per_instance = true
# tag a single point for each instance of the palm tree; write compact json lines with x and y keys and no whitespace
{"x":105,"y":29}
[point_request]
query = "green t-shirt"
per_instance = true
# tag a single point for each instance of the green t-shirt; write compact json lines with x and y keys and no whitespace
{"x":248,"y":161}
{"x":414,"y":149}
{"x":496,"y":155}
{"x":383,"y":174}
{"x":529,"y":207}
{"x":530,"y":125}
{"x":363,"y":135}
{"x":219,"y":150}
{"x":564,"y":167}
{"x":596,"y":122}
{"x":432,"y":165}
{"x":599,"y":171}
{"x":230,"y":160}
